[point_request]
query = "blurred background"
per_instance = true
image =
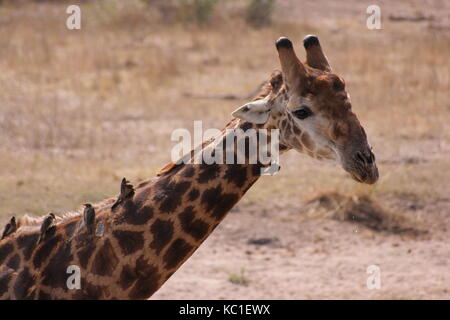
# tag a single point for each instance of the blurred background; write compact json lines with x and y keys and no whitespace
{"x":80,"y":109}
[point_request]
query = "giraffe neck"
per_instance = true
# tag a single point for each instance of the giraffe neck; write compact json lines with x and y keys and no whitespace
{"x":142,"y":243}
{"x":188,"y":201}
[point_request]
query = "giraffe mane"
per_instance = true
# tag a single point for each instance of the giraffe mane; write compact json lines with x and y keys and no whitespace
{"x":29,"y":222}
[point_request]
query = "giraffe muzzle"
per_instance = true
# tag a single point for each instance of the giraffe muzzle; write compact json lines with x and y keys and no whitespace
{"x":364,"y":168}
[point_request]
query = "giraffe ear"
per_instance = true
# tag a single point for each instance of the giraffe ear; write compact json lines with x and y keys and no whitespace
{"x":255,"y":112}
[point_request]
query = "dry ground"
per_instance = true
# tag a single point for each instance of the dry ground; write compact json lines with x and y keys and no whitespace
{"x":81,"y":109}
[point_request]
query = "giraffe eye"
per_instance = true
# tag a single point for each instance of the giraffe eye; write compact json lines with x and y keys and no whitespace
{"x":302,"y":113}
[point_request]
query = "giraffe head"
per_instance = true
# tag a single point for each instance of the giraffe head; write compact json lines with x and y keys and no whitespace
{"x":312,"y":110}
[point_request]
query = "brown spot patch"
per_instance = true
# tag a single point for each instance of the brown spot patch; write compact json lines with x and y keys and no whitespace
{"x":208,"y":172}
{"x":162,"y":234}
{"x":70,"y":228}
{"x":5,"y":250}
{"x":195,"y":227}
{"x":23,"y":285}
{"x":225,"y":204}
{"x":289,"y":127}
{"x":177,"y":253}
{"x":256,"y":170}
{"x":4,"y":281}
{"x":287,"y":133}
{"x":170,"y":194}
{"x":188,"y":171}
{"x":129,"y":241}
{"x":282,"y":147}
{"x":147,"y":282}
{"x":246,"y":126}
{"x":297,"y":131}
{"x":290,"y":117}
{"x":142,"y":195}
{"x":89,"y":291}
{"x":127,"y":276}
{"x":85,"y":252}
{"x":27,"y":243}
{"x":211,"y":196}
{"x":340,"y":130}
{"x":44,"y":251}
{"x":93,"y":292}
{"x":105,"y":261}
{"x":338,"y":82}
{"x":137,"y":217}
{"x":307,"y":141}
{"x":237,"y":174}
{"x":218,"y":204}
{"x":54,"y":273}
{"x":14,"y":262}
{"x":43,"y":295}
{"x":174,"y":200}
{"x":193,"y":194}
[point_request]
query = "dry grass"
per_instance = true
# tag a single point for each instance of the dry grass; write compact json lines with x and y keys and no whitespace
{"x":362,"y":210}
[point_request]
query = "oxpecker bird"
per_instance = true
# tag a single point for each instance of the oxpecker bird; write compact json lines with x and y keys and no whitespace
{"x":89,"y":217}
{"x":47,"y":226}
{"x":126,"y":192}
{"x":10,"y":228}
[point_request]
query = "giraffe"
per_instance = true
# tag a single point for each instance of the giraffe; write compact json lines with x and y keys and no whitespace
{"x":150,"y":234}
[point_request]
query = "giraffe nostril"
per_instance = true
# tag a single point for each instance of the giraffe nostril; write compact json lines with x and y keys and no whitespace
{"x":371,"y":157}
{"x":360,"y":157}
{"x":365,"y":158}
